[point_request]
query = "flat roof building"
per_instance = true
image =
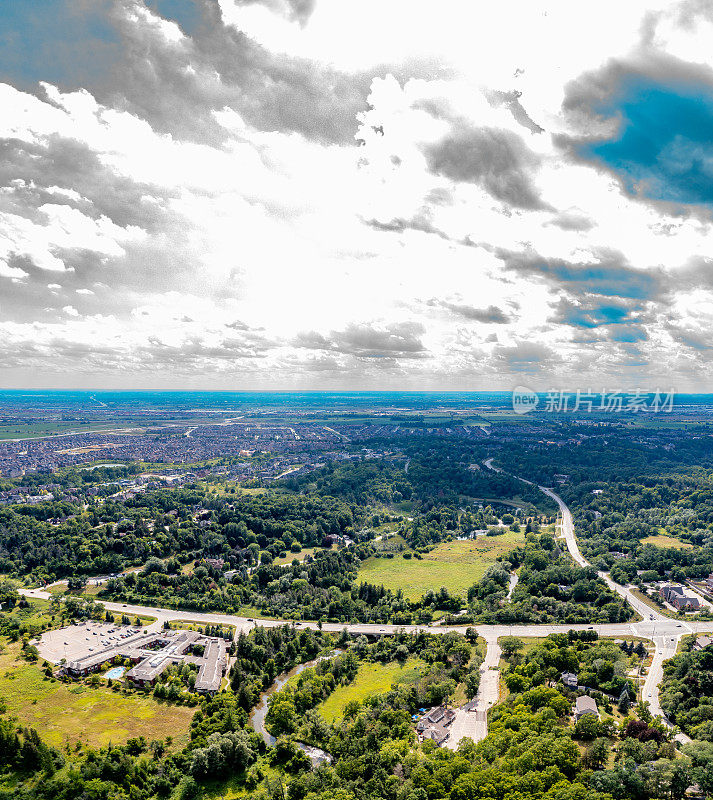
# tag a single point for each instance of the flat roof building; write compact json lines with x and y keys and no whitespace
{"x":152,"y":653}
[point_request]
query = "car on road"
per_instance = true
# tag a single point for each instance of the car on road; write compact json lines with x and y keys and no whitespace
{"x":652,"y":616}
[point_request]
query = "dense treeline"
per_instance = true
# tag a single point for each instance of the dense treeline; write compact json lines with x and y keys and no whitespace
{"x":600,"y":665}
{"x":551,"y":588}
{"x":439,"y":472}
{"x":184,"y":524}
{"x":687,"y":691}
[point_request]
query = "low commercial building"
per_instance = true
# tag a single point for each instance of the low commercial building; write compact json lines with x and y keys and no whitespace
{"x":213,"y":666}
{"x":679,"y":597}
{"x":152,"y":653}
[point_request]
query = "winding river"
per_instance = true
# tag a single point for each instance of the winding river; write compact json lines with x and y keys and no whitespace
{"x":258,"y":714}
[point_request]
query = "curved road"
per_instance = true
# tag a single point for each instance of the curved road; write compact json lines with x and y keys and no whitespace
{"x":663,"y":631}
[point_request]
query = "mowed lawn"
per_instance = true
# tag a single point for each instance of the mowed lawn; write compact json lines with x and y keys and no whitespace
{"x":371,"y":679}
{"x":71,"y":712}
{"x":455,"y":565}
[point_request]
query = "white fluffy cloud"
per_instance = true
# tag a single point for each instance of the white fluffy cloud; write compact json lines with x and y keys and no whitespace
{"x":449,"y":240}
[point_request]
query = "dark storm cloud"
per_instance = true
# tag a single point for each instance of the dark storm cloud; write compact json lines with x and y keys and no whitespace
{"x":397,"y":340}
{"x":494,"y":159}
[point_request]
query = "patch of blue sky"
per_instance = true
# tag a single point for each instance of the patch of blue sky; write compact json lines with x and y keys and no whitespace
{"x":185,"y":12}
{"x":663,"y":149}
{"x":69,"y":43}
{"x":593,"y":318}
{"x":609,"y":281}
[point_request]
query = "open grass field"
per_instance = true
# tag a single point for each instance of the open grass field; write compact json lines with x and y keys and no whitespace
{"x":391,"y":543}
{"x":41,"y":429}
{"x":34,"y":618}
{"x":664,"y":540}
{"x":73,"y":712}
{"x":307,"y":551}
{"x":455,"y":565}
{"x":371,"y":679}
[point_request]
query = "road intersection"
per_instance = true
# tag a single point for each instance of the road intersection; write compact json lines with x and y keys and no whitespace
{"x":663,"y":631}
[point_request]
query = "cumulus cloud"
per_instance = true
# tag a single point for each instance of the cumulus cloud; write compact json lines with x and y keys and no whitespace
{"x":606,"y":272}
{"x":242,"y":193}
{"x":497,"y":160}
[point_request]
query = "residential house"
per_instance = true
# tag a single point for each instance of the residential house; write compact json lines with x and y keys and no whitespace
{"x":569,"y":679}
{"x":585,"y":705}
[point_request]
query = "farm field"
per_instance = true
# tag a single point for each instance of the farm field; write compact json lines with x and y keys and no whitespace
{"x":371,"y":679}
{"x":74,"y":712}
{"x":455,"y":565}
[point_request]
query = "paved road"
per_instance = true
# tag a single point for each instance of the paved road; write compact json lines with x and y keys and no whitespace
{"x":645,"y":629}
{"x":665,"y":648}
{"x":567,"y":527}
{"x":475,"y":723}
{"x":663,"y":631}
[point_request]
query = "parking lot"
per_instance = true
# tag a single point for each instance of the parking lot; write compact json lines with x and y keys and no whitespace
{"x":77,"y":641}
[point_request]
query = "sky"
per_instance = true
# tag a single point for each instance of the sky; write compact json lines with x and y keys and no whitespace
{"x":391,"y":194}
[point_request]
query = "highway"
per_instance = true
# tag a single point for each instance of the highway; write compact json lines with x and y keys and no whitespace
{"x":663,"y":631}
